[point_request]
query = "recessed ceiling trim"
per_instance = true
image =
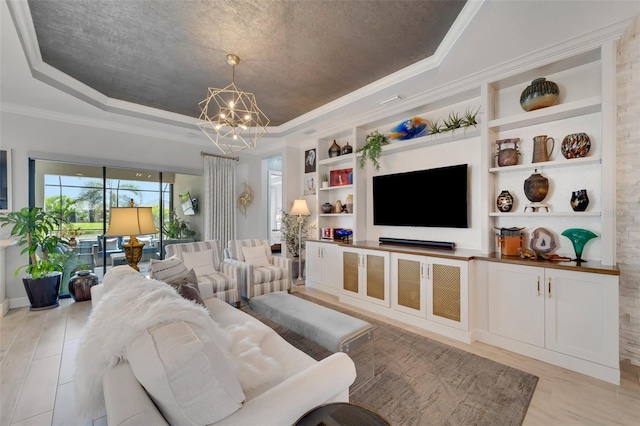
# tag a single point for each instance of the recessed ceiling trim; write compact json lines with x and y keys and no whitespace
{"x":43,"y":72}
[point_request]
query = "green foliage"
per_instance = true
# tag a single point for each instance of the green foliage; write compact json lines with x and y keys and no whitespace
{"x":35,"y":227}
{"x":60,"y":206}
{"x":434,"y":127}
{"x":325,"y":177}
{"x":452,"y":122}
{"x":372,"y":149}
{"x":469,"y":117}
{"x":291,"y":232}
{"x":174,"y":227}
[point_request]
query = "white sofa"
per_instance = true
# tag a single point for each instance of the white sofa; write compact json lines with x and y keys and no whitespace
{"x":302,"y":385}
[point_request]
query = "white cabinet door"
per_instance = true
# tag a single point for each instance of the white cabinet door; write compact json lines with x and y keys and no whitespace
{"x":582,"y":315}
{"x":409,"y":284}
{"x":448,"y":292}
{"x":516,"y":302}
{"x":324,"y":266}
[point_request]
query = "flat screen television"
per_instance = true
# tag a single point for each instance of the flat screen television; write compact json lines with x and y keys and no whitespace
{"x":426,"y":198}
{"x":189,"y":205}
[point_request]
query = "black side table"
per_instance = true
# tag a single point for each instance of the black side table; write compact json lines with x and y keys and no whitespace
{"x":341,"y":413}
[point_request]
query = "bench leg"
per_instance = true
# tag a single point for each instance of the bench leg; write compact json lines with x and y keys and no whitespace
{"x":238,"y":304}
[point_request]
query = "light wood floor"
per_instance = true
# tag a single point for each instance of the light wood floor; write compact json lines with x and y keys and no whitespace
{"x":37,"y":351}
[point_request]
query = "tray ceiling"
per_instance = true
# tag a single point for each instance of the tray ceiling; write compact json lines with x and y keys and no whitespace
{"x":295,"y":55}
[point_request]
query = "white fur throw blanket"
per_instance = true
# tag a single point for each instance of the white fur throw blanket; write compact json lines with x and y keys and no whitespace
{"x":133,"y":304}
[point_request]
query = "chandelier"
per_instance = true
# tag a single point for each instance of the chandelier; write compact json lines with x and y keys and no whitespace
{"x":230,"y":117}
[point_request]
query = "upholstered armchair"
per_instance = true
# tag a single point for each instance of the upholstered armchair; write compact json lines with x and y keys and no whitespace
{"x":260,"y":272}
{"x":215,"y":277}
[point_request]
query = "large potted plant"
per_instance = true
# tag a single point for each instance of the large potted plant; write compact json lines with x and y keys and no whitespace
{"x":36,"y":230}
{"x":290,"y":234}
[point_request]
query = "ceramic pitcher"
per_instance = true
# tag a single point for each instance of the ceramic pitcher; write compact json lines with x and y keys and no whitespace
{"x":540,"y":145}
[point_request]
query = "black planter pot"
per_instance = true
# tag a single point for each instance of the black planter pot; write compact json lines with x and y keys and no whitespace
{"x":43,"y":292}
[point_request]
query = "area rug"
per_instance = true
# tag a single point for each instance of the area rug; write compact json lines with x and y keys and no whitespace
{"x":420,"y":381}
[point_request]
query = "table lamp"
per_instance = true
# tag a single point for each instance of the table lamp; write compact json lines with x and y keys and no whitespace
{"x":131,"y":221}
{"x":300,"y":209}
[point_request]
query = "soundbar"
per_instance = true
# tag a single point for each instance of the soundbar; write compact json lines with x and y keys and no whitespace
{"x":421,"y":243}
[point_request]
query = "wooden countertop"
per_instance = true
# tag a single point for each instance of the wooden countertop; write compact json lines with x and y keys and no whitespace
{"x":592,"y":266}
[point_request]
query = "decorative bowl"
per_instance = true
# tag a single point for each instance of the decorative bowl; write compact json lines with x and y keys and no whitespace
{"x":409,"y":129}
{"x":575,"y":145}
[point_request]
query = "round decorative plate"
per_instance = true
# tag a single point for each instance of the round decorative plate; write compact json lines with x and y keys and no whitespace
{"x":409,"y":129}
{"x":575,"y":145}
{"x":542,"y":241}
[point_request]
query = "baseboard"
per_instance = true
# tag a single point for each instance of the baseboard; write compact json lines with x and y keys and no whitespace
{"x":19,"y":302}
{"x":5,"y":308}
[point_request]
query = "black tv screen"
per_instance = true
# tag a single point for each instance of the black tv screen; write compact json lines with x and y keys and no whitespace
{"x":430,"y":198}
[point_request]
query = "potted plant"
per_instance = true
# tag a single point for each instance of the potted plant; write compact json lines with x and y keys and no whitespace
{"x":372,"y":149}
{"x":36,"y":230}
{"x":174,"y":227}
{"x":71,"y":233}
{"x":291,"y":232}
{"x":325,"y":180}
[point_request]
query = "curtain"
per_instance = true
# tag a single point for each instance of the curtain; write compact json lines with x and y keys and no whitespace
{"x":219,"y":202}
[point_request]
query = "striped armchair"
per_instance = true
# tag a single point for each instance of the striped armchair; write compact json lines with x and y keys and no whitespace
{"x":258,"y":276}
{"x":223,"y":284}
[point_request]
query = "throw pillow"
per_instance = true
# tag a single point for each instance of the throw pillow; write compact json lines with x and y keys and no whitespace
{"x":187,"y":286}
{"x":189,"y":377}
{"x":168,"y":269}
{"x":200,"y":261}
{"x":255,"y":256}
{"x":112,"y":244}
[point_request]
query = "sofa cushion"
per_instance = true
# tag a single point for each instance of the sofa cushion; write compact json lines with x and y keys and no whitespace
{"x":187,"y":286}
{"x":200,"y":261}
{"x":168,"y":269}
{"x":188,"y":376}
{"x":112,"y":244}
{"x":255,"y":256}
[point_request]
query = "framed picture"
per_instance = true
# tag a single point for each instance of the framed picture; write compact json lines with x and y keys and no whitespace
{"x":310,"y":161}
{"x":310,"y":185}
{"x":5,"y":180}
{"x":341,"y":177}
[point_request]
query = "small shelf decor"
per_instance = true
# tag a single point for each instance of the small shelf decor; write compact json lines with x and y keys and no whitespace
{"x":372,"y":149}
{"x":579,"y":238}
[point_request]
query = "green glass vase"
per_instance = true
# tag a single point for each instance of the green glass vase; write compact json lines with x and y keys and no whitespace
{"x":578,"y":237}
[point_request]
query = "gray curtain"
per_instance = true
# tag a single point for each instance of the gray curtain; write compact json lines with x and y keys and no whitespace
{"x":219,"y":199}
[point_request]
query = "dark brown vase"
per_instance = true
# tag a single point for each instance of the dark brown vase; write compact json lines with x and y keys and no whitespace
{"x":540,"y":94}
{"x":80,"y":285}
{"x":334,"y":150}
{"x":347,"y":149}
{"x":507,"y":154}
{"x":504,"y":202}
{"x":579,"y":200}
{"x":536,"y":187}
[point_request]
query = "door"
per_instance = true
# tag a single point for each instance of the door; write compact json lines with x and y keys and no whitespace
{"x":351,"y":265}
{"x":582,"y":315}
{"x":409,"y":284}
{"x":516,"y":302}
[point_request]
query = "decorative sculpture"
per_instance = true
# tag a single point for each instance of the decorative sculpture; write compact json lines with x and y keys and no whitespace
{"x":579,"y":237}
{"x":246,"y":197}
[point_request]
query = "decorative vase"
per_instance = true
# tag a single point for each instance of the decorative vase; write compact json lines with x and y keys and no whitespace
{"x":326,"y":208}
{"x":73,"y":243}
{"x":578,"y":237}
{"x":536,"y":187}
{"x":338,"y":206}
{"x":80,"y":285}
{"x":504,"y":202}
{"x":349,"y":202}
{"x":579,"y":200}
{"x":507,"y":152}
{"x":540,"y":145}
{"x":575,"y":145}
{"x":540,"y":94}
{"x":510,"y":240}
{"x":334,"y":150}
{"x":347,"y":149}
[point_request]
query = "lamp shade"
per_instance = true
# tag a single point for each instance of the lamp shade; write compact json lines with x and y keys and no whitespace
{"x":130,"y":221}
{"x":300,"y":208}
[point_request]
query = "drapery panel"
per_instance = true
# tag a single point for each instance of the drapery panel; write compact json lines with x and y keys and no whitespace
{"x":219,"y":205}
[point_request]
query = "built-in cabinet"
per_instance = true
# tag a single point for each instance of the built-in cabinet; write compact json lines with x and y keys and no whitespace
{"x":365,"y":275}
{"x":564,"y":312}
{"x":559,"y":313}
{"x":432,"y":288}
{"x":324,"y":266}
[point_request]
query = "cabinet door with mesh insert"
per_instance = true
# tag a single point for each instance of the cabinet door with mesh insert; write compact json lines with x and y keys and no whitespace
{"x":409,"y":284}
{"x":448,"y":293}
{"x":376,"y":286}
{"x":350,"y":272}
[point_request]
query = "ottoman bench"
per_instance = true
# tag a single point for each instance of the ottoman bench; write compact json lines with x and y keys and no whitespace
{"x":333,"y":330}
